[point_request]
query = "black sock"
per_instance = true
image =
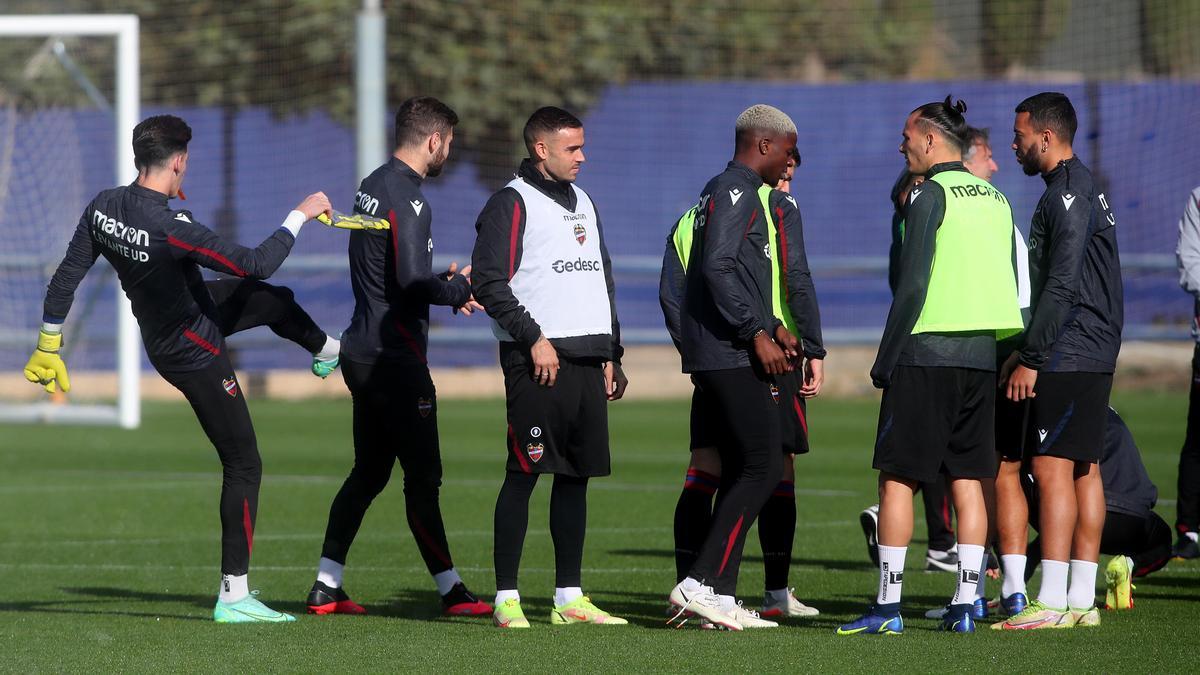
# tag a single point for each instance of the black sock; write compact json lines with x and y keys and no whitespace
{"x":693,"y":512}
{"x":776,"y":530}
{"x":568,"y":525}
{"x":511,"y":521}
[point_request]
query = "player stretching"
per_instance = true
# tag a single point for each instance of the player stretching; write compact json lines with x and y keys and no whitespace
{"x":957,"y":294}
{"x":157,"y":253}
{"x":793,"y":296}
{"x":727,"y":316}
{"x":384,"y":365}
{"x":542,"y":271}
{"x":1066,"y":363}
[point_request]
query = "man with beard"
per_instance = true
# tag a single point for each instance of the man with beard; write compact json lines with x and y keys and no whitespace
{"x":384,"y":363}
{"x":1066,"y":361}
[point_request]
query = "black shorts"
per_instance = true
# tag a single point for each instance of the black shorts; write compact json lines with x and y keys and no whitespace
{"x":793,"y":413}
{"x":1068,"y":416}
{"x":561,"y":429}
{"x":938,"y":421}
{"x":1010,"y":427}
{"x":708,"y":432}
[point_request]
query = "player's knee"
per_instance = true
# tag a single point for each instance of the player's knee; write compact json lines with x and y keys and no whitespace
{"x":422,"y":487}
{"x":244,"y":468}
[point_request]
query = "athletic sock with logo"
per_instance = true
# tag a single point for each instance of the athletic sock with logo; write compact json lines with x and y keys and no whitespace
{"x":891,"y":574}
{"x":234,"y":587}
{"x":969,"y":556}
{"x":981,"y":587}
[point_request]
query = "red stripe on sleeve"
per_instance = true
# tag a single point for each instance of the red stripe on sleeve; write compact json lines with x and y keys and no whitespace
{"x":513,"y":238}
{"x":207,"y":253}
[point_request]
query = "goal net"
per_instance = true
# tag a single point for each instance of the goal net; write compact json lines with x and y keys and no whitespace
{"x":67,"y":105}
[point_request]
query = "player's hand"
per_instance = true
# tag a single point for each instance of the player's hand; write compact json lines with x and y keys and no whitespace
{"x":772,"y":358}
{"x":353,"y":221}
{"x":1006,"y":369}
{"x":814,"y":377}
{"x":545,"y":362}
{"x":789,"y":343}
{"x":1021,"y":383}
{"x":470,"y":308}
{"x":314,"y":205}
{"x":615,"y":381}
{"x":45,"y":366}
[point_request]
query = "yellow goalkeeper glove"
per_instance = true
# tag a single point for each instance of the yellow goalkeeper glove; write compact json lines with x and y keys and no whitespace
{"x":356,"y":221}
{"x":46,"y":367}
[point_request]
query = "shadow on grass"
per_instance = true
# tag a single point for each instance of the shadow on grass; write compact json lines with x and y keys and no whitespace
{"x":829,"y":564}
{"x":101,"y":602}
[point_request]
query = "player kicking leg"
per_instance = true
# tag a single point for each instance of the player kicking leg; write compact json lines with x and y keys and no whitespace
{"x":157,"y":258}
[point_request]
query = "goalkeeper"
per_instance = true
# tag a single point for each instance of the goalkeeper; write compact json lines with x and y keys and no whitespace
{"x":157,"y":253}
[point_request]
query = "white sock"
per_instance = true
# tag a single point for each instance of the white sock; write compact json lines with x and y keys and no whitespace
{"x":502,"y":596}
{"x":969,"y":556}
{"x":689,"y":584}
{"x":779,"y":594}
{"x":1194,"y":536}
{"x":234,"y":588}
{"x":1082,"y":594}
{"x":728,"y":603}
{"x":1012,"y":565}
{"x":891,"y":573}
{"x":330,"y":572}
{"x":330,"y":351}
{"x":569,"y":594}
{"x":981,"y":588}
{"x":1053,"y":592}
{"x":446,"y":580}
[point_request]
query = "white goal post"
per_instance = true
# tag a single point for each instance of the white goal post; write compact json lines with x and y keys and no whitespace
{"x":124,"y":29}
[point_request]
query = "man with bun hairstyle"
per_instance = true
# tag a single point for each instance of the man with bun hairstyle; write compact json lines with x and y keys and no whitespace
{"x":956,"y":295}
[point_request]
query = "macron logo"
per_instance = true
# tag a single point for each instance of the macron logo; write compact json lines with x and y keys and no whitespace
{"x":912,"y":197}
{"x":1042,"y":435}
{"x":734,"y":195}
{"x":1068,"y":200}
{"x":416,"y":204}
{"x":183,"y":217}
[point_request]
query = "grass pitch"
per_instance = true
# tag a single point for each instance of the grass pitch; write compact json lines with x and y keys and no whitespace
{"x":109,"y":552}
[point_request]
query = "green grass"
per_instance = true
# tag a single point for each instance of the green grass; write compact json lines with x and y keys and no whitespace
{"x":108,"y":551}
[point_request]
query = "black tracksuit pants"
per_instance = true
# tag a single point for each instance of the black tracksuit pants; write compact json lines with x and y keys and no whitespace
{"x":395,"y":419}
{"x":1187,"y":506}
{"x":217,"y":399}
{"x":751,"y":466}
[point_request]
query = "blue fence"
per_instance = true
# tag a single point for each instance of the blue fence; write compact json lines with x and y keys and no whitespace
{"x":650,"y":147}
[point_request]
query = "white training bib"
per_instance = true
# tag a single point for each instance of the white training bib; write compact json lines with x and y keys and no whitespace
{"x":560,"y":281}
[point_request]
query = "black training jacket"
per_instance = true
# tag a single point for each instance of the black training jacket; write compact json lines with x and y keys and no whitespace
{"x":157,"y":253}
{"x":499,"y":243}
{"x":727,"y":292}
{"x":391,"y":272}
{"x":797,"y":278}
{"x":1075,"y":275}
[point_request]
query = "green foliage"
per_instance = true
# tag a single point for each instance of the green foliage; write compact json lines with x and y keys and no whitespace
{"x":1169,"y":44}
{"x":1016,"y":31}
